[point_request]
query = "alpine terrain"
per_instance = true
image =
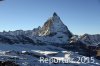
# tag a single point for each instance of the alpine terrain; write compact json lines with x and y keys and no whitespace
{"x":54,"y":41}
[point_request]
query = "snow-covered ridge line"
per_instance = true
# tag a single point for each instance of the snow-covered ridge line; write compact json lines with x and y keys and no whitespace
{"x":92,"y":40}
{"x":52,"y":32}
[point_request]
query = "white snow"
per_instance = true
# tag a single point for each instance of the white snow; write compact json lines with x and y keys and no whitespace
{"x":91,"y":40}
{"x":27,"y":54}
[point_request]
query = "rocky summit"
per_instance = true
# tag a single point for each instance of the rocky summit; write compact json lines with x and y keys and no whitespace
{"x":52,"y":32}
{"x":53,"y":40}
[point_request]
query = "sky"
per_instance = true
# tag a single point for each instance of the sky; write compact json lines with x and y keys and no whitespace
{"x":80,"y":16}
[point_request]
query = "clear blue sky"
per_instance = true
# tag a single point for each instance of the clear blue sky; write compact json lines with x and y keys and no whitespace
{"x":80,"y":16}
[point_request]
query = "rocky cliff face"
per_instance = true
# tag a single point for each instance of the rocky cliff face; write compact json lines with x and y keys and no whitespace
{"x":52,"y":32}
{"x":53,"y":25}
{"x":91,"y":40}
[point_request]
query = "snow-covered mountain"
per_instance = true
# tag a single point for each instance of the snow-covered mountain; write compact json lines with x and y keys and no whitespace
{"x":86,"y":39}
{"x":28,"y":45}
{"x":53,"y":32}
{"x":53,"y":25}
{"x":91,"y":40}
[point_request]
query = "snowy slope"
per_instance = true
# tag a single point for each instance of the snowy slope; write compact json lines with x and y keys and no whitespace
{"x":52,"y":32}
{"x":53,"y":25}
{"x":29,"y":55}
{"x":26,"y":47}
{"x":92,"y":40}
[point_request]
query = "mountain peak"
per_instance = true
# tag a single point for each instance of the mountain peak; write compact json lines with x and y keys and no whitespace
{"x":55,"y":14}
{"x":53,"y":25}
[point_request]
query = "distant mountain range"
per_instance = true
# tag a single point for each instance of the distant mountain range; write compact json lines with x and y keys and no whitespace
{"x":52,"y":32}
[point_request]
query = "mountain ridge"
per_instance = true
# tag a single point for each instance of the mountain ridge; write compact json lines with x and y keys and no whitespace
{"x":53,"y":29}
